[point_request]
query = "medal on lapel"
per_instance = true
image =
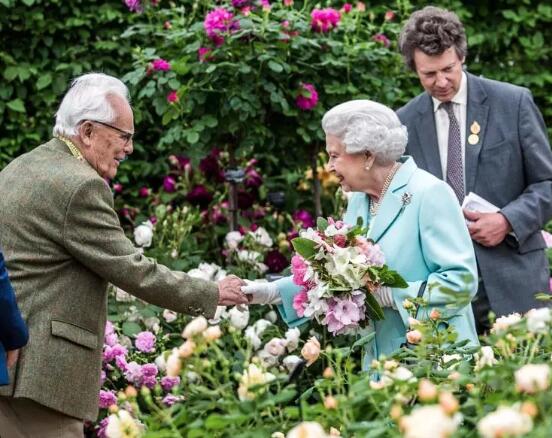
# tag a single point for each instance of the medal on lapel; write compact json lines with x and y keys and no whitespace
{"x":475,"y":129}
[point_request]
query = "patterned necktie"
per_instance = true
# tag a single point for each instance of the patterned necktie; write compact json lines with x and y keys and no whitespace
{"x":455,"y":168}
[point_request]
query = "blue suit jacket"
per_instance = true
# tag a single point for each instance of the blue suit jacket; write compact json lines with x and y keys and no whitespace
{"x":425,"y":240}
{"x":511,"y":167}
{"x":13,"y":331}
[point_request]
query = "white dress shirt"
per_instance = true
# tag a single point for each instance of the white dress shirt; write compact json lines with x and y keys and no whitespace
{"x":460,"y":104}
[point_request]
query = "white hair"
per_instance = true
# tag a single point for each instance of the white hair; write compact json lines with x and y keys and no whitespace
{"x":87,"y":99}
{"x":367,"y":126}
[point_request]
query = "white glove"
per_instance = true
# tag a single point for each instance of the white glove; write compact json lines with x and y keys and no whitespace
{"x":384,"y":297}
{"x":262,"y":292}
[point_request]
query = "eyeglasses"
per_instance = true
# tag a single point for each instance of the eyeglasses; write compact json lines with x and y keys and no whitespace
{"x":125,"y":135}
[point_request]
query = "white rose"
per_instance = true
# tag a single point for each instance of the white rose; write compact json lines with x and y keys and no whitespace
{"x":291,"y":361}
{"x":143,"y":234}
{"x":501,"y":324}
{"x":220,"y":275}
{"x":485,"y":357}
{"x":249,"y":256}
{"x":429,"y":421}
{"x":401,"y":373}
{"x":271,"y":316}
{"x":505,"y":421}
{"x":261,"y":236}
{"x":251,"y":377}
{"x":152,"y":324}
{"x":233,"y":239}
{"x":161,"y":362}
{"x":307,"y":429}
{"x":198,"y":273}
{"x":267,"y":360}
{"x":251,"y":335}
{"x":238,"y":319}
{"x":275,"y":347}
{"x":261,"y":325}
{"x":123,"y":425}
{"x":209,"y":269}
{"x":292,"y":338}
{"x":538,"y":320}
{"x":533,"y":378}
{"x":220,"y":314}
{"x":195,"y":327}
{"x":169,"y":315}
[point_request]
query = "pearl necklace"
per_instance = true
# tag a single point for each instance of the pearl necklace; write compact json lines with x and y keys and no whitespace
{"x":374,"y":206}
{"x":74,"y":150}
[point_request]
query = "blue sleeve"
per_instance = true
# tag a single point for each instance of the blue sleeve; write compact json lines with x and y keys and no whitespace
{"x":288,"y":289}
{"x":13,"y":331}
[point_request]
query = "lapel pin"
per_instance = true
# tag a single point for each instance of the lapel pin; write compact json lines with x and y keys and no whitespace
{"x":475,"y":128}
{"x":406,"y":198}
{"x":473,"y":139}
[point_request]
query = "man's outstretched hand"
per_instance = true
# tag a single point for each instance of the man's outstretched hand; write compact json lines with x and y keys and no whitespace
{"x":230,"y":291}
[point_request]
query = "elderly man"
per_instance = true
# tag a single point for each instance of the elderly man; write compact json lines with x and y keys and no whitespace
{"x":489,"y":138}
{"x":63,"y":243}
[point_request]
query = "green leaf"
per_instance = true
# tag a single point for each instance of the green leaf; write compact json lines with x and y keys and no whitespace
{"x":43,"y":81}
{"x":192,"y":137}
{"x":306,"y":248}
{"x":364,"y":340}
{"x":10,"y":73}
{"x":373,"y":309}
{"x":321,"y":224}
{"x":275,"y":67}
{"x":16,"y":105}
{"x":131,"y":328}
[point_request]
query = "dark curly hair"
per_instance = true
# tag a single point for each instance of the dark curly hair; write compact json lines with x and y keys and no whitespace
{"x":432,"y":30}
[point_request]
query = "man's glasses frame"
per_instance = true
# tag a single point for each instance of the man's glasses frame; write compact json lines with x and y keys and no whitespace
{"x":125,"y":135}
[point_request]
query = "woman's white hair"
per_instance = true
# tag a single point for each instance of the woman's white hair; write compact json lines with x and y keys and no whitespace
{"x":367,"y":126}
{"x":87,"y":99}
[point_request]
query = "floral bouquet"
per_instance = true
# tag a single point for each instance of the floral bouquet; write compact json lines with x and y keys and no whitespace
{"x":338,"y":270}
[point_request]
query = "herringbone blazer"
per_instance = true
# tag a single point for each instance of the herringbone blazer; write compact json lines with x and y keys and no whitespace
{"x":63,"y":244}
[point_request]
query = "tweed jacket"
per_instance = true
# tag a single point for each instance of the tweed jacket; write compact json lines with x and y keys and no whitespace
{"x":63,"y":244}
{"x":421,"y":231}
{"x":511,"y":167}
{"x":13,"y":331}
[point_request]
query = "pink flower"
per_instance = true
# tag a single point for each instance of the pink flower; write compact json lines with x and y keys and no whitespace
{"x":161,"y":65}
{"x":347,"y":7}
{"x":389,"y":15}
{"x":307,"y":97}
{"x":145,"y":342}
{"x":203,"y":54}
{"x":266,"y":5}
{"x":547,"y":238}
{"x":169,"y":184}
{"x":117,"y":188}
{"x":340,"y":240}
{"x":217,"y":22}
{"x":168,"y":383}
{"x":170,"y":399}
{"x":288,"y":2}
{"x":300,"y":301}
{"x":149,"y":373}
{"x":113,"y":351}
{"x":344,"y":314}
{"x":304,"y":218}
{"x":107,"y":398}
{"x":373,"y":253}
{"x":299,"y":269}
{"x":133,"y":5}
{"x":172,"y":97}
{"x":324,"y":20}
{"x":144,"y":192}
{"x":381,"y":38}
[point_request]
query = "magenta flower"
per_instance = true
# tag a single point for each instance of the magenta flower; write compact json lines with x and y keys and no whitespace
{"x":324,"y":20}
{"x":101,"y":428}
{"x":304,"y":218}
{"x":210,"y":167}
{"x":145,"y":342}
{"x":307,"y":97}
{"x":149,"y":374}
{"x":117,"y":188}
{"x":169,"y":184}
{"x":200,"y":196}
{"x":170,"y":399}
{"x":217,"y":22}
{"x":298,"y":269}
{"x":153,"y":219}
{"x":347,"y":7}
{"x":238,"y":4}
{"x":203,"y":54}
{"x":265,"y":4}
{"x":253,"y":179}
{"x":275,"y":261}
{"x":389,"y":15}
{"x":382,"y":39}
{"x":107,"y":398}
{"x":134,"y":5}
{"x":245,"y":199}
{"x":114,"y":351}
{"x":168,"y":383}
{"x":172,"y":97}
{"x":144,"y":192}
{"x":161,"y":65}
{"x":300,"y":301}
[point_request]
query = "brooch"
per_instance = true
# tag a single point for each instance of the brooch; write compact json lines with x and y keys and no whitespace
{"x":406,"y":198}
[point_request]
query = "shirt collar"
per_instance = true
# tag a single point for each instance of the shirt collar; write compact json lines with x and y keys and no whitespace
{"x":460,"y":98}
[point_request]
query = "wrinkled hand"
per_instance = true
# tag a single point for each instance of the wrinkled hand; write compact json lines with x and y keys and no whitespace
{"x":229,"y":291}
{"x":262,"y":292}
{"x":487,"y":229}
{"x":11,"y":357}
{"x":384,"y":297}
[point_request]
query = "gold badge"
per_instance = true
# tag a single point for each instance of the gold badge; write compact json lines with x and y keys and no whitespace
{"x":475,"y":128}
{"x":473,"y":139}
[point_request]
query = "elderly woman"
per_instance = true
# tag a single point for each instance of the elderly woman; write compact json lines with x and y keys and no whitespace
{"x":413,"y":216}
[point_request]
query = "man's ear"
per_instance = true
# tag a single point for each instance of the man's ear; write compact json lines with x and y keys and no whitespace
{"x":85,"y":132}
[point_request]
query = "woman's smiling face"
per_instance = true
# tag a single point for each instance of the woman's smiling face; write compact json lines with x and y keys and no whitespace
{"x":349,"y":168}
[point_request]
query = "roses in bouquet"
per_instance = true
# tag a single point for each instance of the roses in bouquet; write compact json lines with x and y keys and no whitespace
{"x":338,"y":269}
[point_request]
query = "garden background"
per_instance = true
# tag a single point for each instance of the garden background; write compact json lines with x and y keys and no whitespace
{"x":246,"y":88}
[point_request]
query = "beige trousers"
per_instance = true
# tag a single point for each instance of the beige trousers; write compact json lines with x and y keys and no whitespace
{"x":25,"y":418}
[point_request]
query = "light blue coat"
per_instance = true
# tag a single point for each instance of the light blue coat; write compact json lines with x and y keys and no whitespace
{"x":423,"y":239}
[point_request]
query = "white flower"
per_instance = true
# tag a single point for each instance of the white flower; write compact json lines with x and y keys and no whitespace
{"x":169,"y":315}
{"x":251,"y":377}
{"x":238,"y":319}
{"x":123,"y":297}
{"x":446,"y":358}
{"x":192,"y":376}
{"x":252,"y":257}
{"x":276,"y":347}
{"x":401,"y":373}
{"x":291,"y":361}
{"x":261,"y":325}
{"x":331,"y":230}
{"x":161,"y":362}
{"x":505,"y":421}
{"x":233,"y":239}
{"x":251,"y":335}
{"x":143,"y":234}
{"x":271,"y":316}
{"x":198,"y":273}
{"x":173,"y":364}
{"x":122,"y":425}
{"x":292,"y":338}
{"x":267,"y":360}
{"x":429,"y":421}
{"x":152,"y":324}
{"x":311,"y":234}
{"x":538,"y":320}
{"x":261,"y":236}
{"x":533,"y":378}
{"x":220,"y":314}
{"x":502,"y":323}
{"x":485,"y":357}
{"x":195,"y":327}
{"x":307,"y":429}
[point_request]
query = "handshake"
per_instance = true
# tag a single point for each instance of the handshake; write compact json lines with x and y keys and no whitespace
{"x":234,"y":290}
